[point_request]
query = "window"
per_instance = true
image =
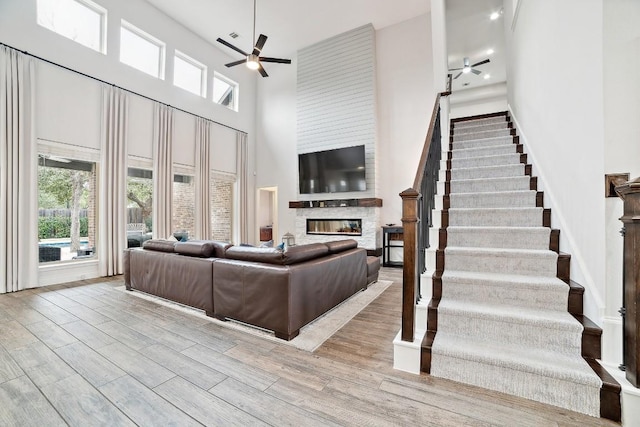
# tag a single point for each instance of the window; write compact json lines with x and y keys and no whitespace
{"x":79,"y":20}
{"x":221,"y":208}
{"x":141,"y":51}
{"x":184,"y":206}
{"x":66,"y":209}
{"x":225,"y":91}
{"x":139,"y":206}
{"x":189,"y":74}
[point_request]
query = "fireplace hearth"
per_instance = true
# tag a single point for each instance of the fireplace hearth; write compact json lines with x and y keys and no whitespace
{"x":342,"y":227}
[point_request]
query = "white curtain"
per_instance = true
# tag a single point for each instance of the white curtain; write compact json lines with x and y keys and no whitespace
{"x":162,"y":171}
{"x":242,"y":171}
{"x":113,"y":181}
{"x":18,"y":173}
{"x":203,"y":179}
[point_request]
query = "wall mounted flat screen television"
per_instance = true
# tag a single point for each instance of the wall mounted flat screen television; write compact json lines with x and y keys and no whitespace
{"x":332,"y":171}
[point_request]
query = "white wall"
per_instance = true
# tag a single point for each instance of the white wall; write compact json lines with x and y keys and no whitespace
{"x":69,"y":105}
{"x":621,"y":54}
{"x":556,"y":95}
{"x":405,"y":99}
{"x":406,"y":95}
{"x":479,"y":100}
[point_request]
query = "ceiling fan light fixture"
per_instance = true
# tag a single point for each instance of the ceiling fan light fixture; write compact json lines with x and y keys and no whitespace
{"x":253,"y":63}
{"x":466,"y":69}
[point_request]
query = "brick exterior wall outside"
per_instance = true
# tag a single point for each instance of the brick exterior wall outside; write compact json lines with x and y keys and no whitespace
{"x":184,"y":207}
{"x":221,"y":209}
{"x":91,"y":208}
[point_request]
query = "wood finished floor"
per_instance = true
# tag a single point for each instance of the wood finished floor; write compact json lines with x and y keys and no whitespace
{"x":85,"y":354}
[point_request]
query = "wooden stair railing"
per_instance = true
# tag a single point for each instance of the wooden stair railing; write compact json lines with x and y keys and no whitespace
{"x":630,"y":193}
{"x":417,"y":204}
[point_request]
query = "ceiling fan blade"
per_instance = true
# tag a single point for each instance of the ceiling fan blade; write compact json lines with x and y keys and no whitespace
{"x":277,"y":60}
{"x":481,"y":62}
{"x":259,"y":44}
{"x":454,"y":69}
{"x":233,"y":64}
{"x":458,"y":75}
{"x":262,"y":71}
{"x":476,"y":72}
{"x":229,"y":45}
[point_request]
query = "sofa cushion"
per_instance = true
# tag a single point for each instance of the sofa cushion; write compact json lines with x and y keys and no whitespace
{"x":197,"y":248}
{"x":341,"y":245}
{"x":159,"y":245}
{"x":301,"y":253}
{"x":250,"y":253}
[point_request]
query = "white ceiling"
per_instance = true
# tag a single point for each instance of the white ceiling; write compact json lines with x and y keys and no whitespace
{"x":470,"y":33}
{"x":295,"y":24}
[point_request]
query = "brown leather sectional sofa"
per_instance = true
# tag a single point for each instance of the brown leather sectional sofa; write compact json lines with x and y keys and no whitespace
{"x":275,"y":290}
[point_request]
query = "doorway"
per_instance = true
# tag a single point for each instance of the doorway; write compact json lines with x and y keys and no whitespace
{"x":267,"y":214}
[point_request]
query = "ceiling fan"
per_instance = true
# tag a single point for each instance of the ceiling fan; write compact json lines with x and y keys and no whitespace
{"x":253,"y":59}
{"x":466,"y":67}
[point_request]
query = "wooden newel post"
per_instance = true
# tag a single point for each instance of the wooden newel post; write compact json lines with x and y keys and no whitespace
{"x":410,"y":199}
{"x":630,"y":193}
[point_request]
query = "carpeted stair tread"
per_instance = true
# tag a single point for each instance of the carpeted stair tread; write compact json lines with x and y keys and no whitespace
{"x":499,"y":237}
{"x":494,"y":199}
{"x":490,"y":217}
{"x":539,"y":317}
{"x":525,"y":262}
{"x":486,"y":142}
{"x":513,"y":357}
{"x":487,"y":120}
{"x":497,"y":160}
{"x":481,"y":135}
{"x":484,"y":185}
{"x":515,"y":171}
{"x":505,"y":289}
{"x":491,"y":150}
{"x":480,"y":127}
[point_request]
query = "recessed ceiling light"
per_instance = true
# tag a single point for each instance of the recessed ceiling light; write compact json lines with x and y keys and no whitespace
{"x":487,"y":76}
{"x":495,"y":15}
{"x":490,"y":51}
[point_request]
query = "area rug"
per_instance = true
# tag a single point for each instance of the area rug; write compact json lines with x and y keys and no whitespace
{"x":311,"y":336}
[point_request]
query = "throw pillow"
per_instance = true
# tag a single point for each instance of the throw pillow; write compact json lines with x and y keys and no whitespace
{"x":268,"y":244}
{"x":246,"y":244}
{"x":280,"y":247}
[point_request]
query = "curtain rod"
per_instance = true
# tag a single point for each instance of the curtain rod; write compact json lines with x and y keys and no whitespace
{"x":119,"y":87}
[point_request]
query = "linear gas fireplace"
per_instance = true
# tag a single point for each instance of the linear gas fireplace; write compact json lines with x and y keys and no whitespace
{"x":348,"y":227}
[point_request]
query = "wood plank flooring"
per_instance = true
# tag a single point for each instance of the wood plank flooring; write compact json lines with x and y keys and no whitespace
{"x":86,"y":354}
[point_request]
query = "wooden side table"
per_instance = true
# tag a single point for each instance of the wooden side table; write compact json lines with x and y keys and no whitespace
{"x":391,"y":233}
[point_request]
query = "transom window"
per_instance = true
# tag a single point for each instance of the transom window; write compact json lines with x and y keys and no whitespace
{"x":225,"y":91}
{"x":189,"y":74}
{"x":141,"y":50}
{"x":79,"y":20}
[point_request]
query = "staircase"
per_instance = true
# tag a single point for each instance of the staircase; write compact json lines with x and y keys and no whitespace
{"x":505,"y":314}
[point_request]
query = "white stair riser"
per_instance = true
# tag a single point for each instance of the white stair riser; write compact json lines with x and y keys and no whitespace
{"x":481,"y":135}
{"x":510,"y":238}
{"x":544,"y":297}
{"x":461,"y":145}
{"x":505,"y":159}
{"x":556,"y":337}
{"x":543,"y":264}
{"x":557,"y":391}
{"x":490,"y":185}
{"x":502,"y":199}
{"x":494,"y":150}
